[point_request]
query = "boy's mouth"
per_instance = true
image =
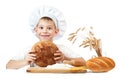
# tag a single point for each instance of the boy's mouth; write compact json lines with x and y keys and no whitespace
{"x":45,"y":36}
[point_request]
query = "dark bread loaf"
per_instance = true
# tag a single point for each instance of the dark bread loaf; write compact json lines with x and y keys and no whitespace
{"x":100,"y":64}
{"x":44,"y":51}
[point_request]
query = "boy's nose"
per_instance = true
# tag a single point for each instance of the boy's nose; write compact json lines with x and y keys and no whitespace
{"x":45,"y":30}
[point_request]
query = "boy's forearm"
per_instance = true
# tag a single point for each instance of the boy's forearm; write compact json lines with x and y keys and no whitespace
{"x":16,"y":64}
{"x":75,"y":61}
{"x":67,"y":58}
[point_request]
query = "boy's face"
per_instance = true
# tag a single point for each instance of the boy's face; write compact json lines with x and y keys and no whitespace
{"x":46,"y":30}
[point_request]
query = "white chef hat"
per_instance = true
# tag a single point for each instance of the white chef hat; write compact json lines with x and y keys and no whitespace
{"x":53,"y":13}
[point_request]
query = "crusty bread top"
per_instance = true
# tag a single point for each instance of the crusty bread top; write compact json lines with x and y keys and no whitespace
{"x":100,"y":64}
{"x":44,"y":51}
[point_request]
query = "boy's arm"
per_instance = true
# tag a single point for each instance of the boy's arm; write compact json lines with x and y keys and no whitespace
{"x":75,"y":61}
{"x":16,"y":64}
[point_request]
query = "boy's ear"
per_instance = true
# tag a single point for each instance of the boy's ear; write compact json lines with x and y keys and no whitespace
{"x":35,"y":29}
{"x":57,"y":30}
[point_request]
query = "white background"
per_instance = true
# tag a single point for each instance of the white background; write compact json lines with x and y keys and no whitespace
{"x":103,"y":15}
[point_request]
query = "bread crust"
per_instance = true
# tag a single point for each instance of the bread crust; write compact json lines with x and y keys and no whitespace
{"x":44,"y":51}
{"x":100,"y":64}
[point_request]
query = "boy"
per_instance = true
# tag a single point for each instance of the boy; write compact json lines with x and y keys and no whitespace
{"x":48,"y":24}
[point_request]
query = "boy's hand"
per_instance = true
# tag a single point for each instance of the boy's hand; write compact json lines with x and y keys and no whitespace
{"x":30,"y":57}
{"x":58,"y":56}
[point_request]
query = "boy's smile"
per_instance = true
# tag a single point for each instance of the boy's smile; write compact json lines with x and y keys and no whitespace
{"x":44,"y":36}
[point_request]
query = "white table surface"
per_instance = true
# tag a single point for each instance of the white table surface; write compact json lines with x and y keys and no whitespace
{"x":21,"y":73}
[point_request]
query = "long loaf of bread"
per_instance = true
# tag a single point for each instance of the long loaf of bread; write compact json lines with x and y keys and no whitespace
{"x":100,"y":64}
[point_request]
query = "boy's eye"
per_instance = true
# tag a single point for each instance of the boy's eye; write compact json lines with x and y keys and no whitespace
{"x":49,"y":28}
{"x":40,"y":27}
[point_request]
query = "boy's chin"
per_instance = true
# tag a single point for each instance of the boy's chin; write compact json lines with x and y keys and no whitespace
{"x":45,"y":39}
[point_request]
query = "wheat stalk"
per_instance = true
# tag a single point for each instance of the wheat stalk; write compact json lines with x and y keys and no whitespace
{"x":91,"y":41}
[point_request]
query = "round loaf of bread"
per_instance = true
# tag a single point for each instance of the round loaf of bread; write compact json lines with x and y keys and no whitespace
{"x":100,"y":64}
{"x":44,"y":51}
